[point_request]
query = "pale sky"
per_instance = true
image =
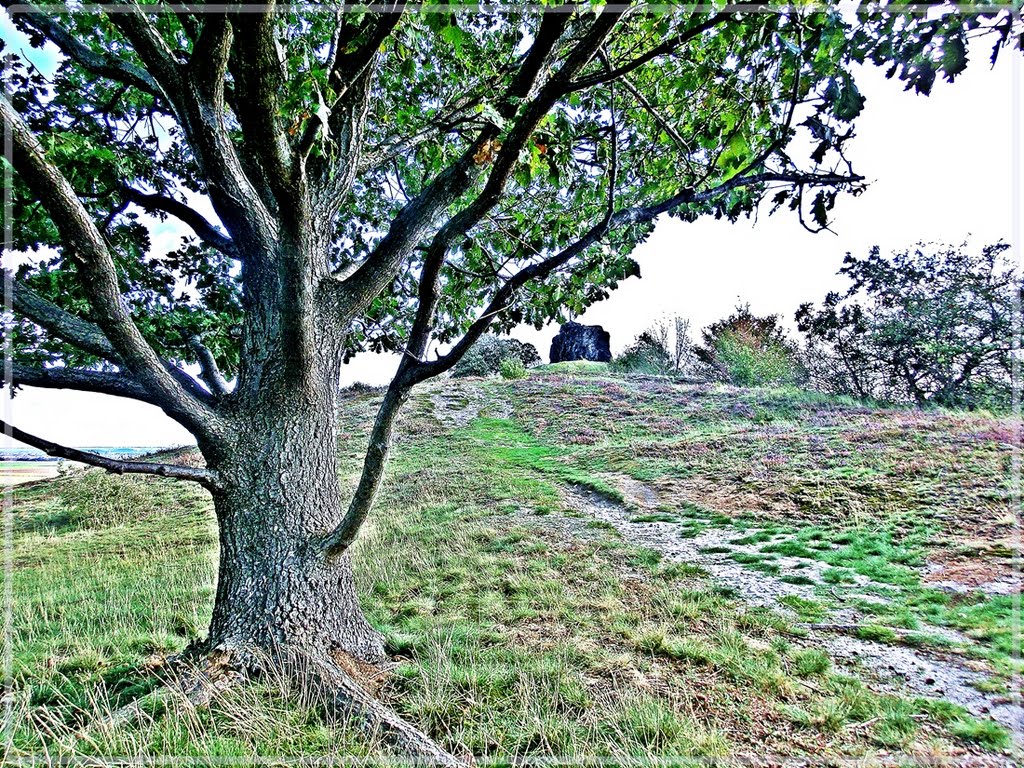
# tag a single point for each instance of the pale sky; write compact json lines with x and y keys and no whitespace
{"x":942,"y":168}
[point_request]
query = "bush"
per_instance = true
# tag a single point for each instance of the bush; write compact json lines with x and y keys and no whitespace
{"x":512,"y":368}
{"x":646,"y":355}
{"x":749,"y":362}
{"x":485,"y":357}
{"x":748,"y":351}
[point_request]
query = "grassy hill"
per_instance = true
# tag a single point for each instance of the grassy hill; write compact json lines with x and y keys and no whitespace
{"x":577,"y":565}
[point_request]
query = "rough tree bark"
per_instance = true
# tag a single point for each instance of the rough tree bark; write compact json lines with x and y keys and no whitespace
{"x":279,"y":494}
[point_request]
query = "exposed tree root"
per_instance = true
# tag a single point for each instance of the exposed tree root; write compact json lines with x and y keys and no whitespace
{"x":195,"y":681}
{"x":332,"y":683}
{"x":336,"y":682}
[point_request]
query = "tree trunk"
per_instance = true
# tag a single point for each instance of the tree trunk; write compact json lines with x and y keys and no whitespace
{"x":282,"y":600}
{"x":276,"y":588}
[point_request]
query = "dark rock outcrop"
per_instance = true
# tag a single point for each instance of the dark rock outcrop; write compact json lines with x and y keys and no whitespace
{"x":581,"y":342}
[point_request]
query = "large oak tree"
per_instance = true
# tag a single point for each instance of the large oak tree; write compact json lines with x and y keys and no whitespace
{"x":388,"y":179}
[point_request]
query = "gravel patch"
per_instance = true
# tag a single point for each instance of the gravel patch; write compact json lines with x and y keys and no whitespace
{"x":890,"y":667}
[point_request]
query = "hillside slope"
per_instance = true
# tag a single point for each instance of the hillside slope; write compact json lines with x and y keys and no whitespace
{"x":579,"y":565}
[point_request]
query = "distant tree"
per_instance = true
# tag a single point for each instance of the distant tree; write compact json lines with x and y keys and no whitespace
{"x":672,"y":334}
{"x":932,"y":324}
{"x":748,"y":350}
{"x":376,"y":178}
{"x":837,"y":354}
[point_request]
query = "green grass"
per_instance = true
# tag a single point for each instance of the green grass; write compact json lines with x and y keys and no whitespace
{"x":762,"y":563}
{"x":511,"y":634}
{"x":810,"y":662}
{"x":655,"y":517}
{"x":807,"y":610}
{"x":788,"y":549}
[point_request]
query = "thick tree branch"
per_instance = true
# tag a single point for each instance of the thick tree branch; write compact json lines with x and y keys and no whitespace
{"x":209,"y":371}
{"x":203,"y":228}
{"x":102,"y":65}
{"x":102,"y":382}
{"x":335,"y":544}
{"x":82,"y":334}
{"x":195,"y":91}
{"x":331,"y":174}
{"x":190,"y":19}
{"x":259,"y":75}
{"x":84,"y":244}
{"x":157,"y":56}
{"x":204,"y":477}
{"x":239,"y":192}
{"x":347,"y":69}
{"x":526,"y":81}
{"x":552,"y":26}
{"x":342,"y":124}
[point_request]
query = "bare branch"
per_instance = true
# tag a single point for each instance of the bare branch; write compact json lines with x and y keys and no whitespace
{"x":204,"y":477}
{"x":667,"y":47}
{"x":210,"y":373}
{"x":103,"y":382}
{"x":205,"y":230}
{"x":667,"y":127}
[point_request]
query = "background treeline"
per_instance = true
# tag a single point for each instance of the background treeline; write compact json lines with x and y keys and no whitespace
{"x":931,"y":325}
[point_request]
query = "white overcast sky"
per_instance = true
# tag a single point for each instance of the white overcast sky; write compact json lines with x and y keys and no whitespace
{"x":942,"y":169}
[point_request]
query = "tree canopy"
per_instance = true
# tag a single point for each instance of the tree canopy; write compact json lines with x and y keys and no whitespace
{"x":931,"y":324}
{"x":395,"y":177}
{"x":489,"y":143}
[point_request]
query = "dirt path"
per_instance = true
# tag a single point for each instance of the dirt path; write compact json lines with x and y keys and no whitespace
{"x":920,"y":672}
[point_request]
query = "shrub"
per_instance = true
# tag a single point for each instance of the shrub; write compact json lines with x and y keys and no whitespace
{"x":485,"y":357}
{"x":646,"y":355}
{"x":512,"y":368}
{"x":748,"y":350}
